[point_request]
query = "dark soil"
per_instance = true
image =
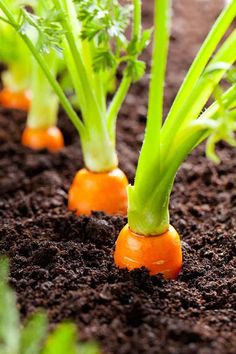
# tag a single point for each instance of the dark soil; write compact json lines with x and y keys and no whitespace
{"x":64,"y":264}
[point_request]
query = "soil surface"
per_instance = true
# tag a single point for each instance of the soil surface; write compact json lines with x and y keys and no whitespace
{"x":64,"y":264}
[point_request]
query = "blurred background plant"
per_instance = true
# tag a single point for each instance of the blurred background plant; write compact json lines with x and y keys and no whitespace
{"x":17,"y":61}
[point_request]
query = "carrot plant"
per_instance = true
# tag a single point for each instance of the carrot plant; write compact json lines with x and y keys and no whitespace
{"x":41,"y":129}
{"x":14,"y":53}
{"x":148,"y":239}
{"x":25,"y":85}
{"x":94,"y":45}
{"x":33,"y":337}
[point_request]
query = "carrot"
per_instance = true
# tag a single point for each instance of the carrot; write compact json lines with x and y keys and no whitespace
{"x":149,"y":240}
{"x":99,"y":191}
{"x":38,"y":138}
{"x":158,"y":253}
{"x":15,"y":100}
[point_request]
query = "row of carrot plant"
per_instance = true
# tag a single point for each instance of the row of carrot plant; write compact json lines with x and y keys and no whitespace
{"x":70,"y":52}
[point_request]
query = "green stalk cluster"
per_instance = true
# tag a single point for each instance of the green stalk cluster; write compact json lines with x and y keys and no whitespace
{"x":166,"y":145}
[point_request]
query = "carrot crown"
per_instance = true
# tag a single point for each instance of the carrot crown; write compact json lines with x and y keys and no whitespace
{"x":167,"y":144}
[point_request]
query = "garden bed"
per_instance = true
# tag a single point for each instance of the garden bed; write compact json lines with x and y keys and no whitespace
{"x":64,"y":264}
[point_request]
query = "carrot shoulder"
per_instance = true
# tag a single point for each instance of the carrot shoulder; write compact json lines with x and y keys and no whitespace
{"x":15,"y":100}
{"x":38,"y":138}
{"x":159,"y":254}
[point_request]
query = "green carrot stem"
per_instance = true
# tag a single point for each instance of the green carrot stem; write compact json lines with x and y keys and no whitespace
{"x":156,"y":91}
{"x":122,"y":91}
{"x":139,"y":218}
{"x":200,"y":94}
{"x":44,"y":104}
{"x":137,"y":19}
{"x":98,"y":150}
{"x":116,"y":104}
{"x":214,"y":37}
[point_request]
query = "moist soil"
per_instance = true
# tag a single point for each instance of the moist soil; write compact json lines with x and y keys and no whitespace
{"x":64,"y":264}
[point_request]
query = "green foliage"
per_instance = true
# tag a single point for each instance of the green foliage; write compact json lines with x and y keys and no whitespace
{"x":103,"y":60}
{"x":10,"y":41}
{"x":49,"y":32}
{"x":135,"y":69}
{"x":102,"y":22}
{"x":231,"y":75}
{"x":220,"y":127}
{"x":32,"y":338}
{"x":63,"y":340}
{"x":222,"y":124}
{"x":9,"y":317}
{"x":33,"y":334}
{"x":7,"y":47}
{"x":137,"y":45}
{"x":106,"y":22}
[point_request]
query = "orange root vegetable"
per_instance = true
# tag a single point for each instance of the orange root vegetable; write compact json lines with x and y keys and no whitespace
{"x":93,"y":191}
{"x":37,"y":138}
{"x":15,"y":100}
{"x":159,"y":254}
